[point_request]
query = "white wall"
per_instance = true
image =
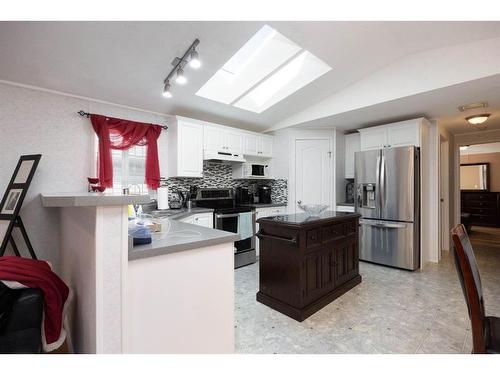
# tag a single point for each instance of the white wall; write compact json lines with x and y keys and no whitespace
{"x":33,"y":121}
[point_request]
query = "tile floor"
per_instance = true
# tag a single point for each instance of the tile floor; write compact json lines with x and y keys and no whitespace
{"x":391,"y":311}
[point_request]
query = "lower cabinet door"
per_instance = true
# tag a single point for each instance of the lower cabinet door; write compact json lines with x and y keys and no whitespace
{"x":319,"y":275}
{"x":346,"y":259}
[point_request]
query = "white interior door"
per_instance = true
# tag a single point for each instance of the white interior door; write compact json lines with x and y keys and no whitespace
{"x":313,"y":171}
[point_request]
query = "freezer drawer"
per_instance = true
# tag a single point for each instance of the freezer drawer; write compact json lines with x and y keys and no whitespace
{"x":390,"y":243}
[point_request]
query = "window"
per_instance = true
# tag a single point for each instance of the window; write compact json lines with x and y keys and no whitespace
{"x":129,"y":168}
{"x":267,"y":69}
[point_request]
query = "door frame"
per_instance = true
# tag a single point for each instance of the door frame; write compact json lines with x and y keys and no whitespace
{"x":308,"y":135}
{"x":444,"y":191}
{"x":464,"y":139}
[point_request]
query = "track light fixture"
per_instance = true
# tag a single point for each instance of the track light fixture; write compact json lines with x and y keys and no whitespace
{"x":190,"y":58}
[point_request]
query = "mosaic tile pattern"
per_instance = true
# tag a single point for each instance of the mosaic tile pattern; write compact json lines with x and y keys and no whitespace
{"x":219,"y":175}
{"x":391,"y":311}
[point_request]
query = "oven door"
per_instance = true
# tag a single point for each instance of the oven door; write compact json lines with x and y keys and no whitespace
{"x":229,"y":223}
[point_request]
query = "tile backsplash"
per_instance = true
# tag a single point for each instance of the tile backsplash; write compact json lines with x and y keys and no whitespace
{"x":220,"y":175}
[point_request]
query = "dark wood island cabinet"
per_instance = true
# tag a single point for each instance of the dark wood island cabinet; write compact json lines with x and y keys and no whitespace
{"x":307,"y":262}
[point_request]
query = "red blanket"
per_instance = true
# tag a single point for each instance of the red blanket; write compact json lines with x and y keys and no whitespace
{"x":18,"y":272}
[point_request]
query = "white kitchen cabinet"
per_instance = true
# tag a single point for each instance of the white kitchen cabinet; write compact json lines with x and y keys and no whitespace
{"x":250,"y":144}
{"x":258,"y":145}
{"x":403,"y":133}
{"x":223,"y":139}
{"x":213,"y":138}
{"x":351,"y":145}
{"x":233,"y":141}
{"x":203,"y":219}
{"x":185,"y":148}
{"x":373,"y":138}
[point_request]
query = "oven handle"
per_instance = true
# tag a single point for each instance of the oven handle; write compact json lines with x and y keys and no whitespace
{"x":293,"y":240}
{"x":225,"y":216}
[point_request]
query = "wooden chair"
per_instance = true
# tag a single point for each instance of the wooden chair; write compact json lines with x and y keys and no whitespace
{"x":485,"y":329}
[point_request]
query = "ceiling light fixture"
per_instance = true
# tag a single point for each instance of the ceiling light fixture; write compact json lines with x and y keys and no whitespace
{"x":477,"y":119}
{"x":166,"y":91}
{"x":191,"y":57}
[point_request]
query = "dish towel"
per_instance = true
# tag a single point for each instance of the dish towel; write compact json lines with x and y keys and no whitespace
{"x":245,"y":227}
{"x":16,"y":273}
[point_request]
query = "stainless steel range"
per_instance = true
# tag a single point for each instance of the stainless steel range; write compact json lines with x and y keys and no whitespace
{"x":226,"y":217}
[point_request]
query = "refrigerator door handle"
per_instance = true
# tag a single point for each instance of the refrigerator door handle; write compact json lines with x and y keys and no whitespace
{"x":382,"y":184}
{"x":383,"y":225}
{"x":377,"y":189}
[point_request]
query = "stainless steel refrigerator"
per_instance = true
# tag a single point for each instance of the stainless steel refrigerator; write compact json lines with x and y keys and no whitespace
{"x":388,"y":198}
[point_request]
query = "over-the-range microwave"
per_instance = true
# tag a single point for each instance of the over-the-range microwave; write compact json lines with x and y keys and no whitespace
{"x":259,"y":170}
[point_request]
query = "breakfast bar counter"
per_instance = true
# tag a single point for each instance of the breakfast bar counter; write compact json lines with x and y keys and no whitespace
{"x":306,"y":262}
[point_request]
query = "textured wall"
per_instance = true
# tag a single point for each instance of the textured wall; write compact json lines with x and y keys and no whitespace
{"x":39,"y":122}
{"x":219,"y":175}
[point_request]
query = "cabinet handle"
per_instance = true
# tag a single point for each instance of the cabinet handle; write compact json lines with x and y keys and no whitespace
{"x":261,"y":235}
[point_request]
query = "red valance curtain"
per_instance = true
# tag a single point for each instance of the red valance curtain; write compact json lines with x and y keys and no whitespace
{"x":118,"y":134}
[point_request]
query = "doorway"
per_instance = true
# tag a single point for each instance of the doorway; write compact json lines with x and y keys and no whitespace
{"x":479,"y":181}
{"x":313,"y":171}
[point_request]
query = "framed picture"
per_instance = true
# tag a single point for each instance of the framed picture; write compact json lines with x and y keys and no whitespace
{"x":11,"y":202}
{"x":24,"y":171}
{"x":4,"y":226}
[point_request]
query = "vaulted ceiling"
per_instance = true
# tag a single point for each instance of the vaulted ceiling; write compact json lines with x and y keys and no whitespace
{"x":126,"y":62}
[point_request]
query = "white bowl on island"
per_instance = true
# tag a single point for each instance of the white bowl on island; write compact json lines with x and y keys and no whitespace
{"x":313,"y":210}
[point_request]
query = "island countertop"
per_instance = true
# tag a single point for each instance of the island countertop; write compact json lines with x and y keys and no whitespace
{"x":84,"y":199}
{"x":180,"y":237}
{"x":301,"y":219}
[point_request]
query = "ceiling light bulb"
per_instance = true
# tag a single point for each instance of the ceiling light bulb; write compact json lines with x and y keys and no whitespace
{"x":477,"y":119}
{"x":195,"y":62}
{"x":181,"y":78}
{"x":166,"y":91}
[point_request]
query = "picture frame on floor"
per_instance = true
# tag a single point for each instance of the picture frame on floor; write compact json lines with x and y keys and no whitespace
{"x":12,"y":201}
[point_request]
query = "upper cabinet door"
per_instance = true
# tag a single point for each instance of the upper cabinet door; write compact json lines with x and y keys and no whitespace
{"x":351,"y":144}
{"x":250,"y":144}
{"x":233,"y":142}
{"x":190,"y":149}
{"x":373,"y":138}
{"x":266,"y":146}
{"x":213,"y":138}
{"x":406,"y":133}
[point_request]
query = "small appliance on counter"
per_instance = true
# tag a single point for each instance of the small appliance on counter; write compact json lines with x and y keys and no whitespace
{"x":243,"y":195}
{"x":264,"y":193}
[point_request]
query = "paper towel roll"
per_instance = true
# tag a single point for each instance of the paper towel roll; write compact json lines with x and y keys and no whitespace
{"x":162,"y":198}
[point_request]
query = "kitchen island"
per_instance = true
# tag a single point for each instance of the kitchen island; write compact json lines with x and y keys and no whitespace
{"x":307,"y":262}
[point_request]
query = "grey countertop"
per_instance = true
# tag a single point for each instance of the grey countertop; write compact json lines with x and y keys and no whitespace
{"x":180,"y":237}
{"x":345,"y":204}
{"x":91,"y":199}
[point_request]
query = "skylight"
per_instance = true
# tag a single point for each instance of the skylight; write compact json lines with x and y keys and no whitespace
{"x":267,"y":69}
